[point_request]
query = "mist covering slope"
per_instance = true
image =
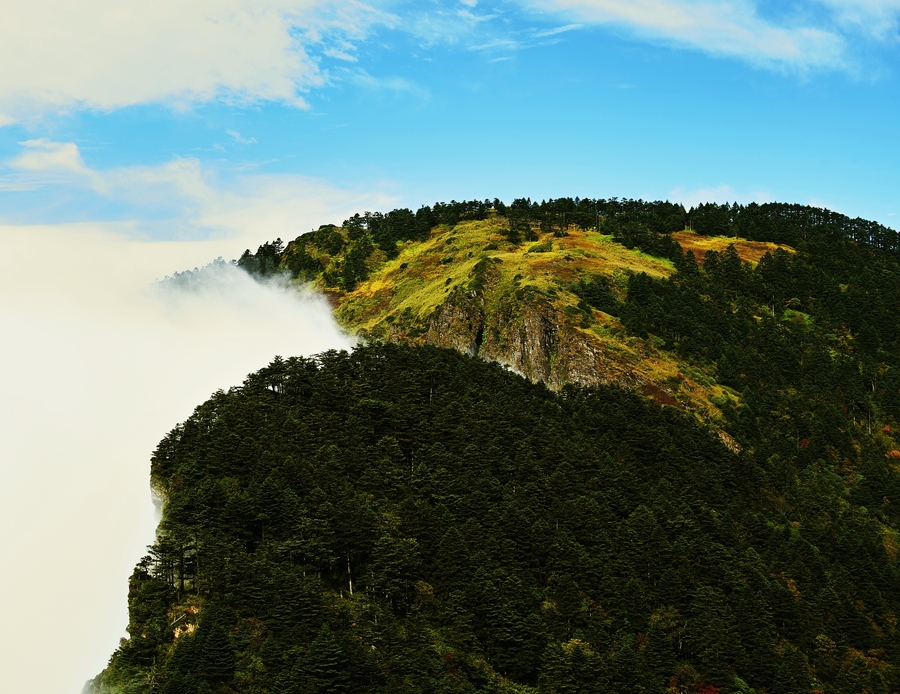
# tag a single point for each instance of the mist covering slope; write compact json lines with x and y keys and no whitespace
{"x":406,"y":518}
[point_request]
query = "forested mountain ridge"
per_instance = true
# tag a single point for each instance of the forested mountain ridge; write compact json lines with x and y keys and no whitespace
{"x":410,"y":519}
{"x":539,"y":296}
{"x":415,"y":520}
{"x":644,"y":295}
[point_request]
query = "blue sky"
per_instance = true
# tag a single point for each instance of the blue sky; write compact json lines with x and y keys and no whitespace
{"x":182,"y":122}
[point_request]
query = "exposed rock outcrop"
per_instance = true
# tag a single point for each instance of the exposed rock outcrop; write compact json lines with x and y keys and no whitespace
{"x":531,"y":336}
{"x":458,"y":324}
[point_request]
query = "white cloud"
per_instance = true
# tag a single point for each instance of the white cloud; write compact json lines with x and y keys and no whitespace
{"x":436,"y":25}
{"x":58,"y":55}
{"x":192,"y":199}
{"x":556,"y":30}
{"x":45,"y":161}
{"x":722,"y":28}
{"x":497,"y":44}
{"x":878,"y":18}
{"x":392,"y":83}
{"x":45,"y":155}
{"x":340,"y":55}
{"x":107,"y":54}
{"x":96,"y":371}
{"x":238,"y":138}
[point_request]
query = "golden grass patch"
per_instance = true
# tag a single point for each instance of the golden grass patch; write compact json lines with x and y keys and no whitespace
{"x":748,"y":251}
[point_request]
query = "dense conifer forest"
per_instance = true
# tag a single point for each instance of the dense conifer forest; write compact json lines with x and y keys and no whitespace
{"x":409,"y":519}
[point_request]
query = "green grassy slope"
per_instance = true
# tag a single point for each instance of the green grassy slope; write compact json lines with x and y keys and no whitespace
{"x":472,"y":266}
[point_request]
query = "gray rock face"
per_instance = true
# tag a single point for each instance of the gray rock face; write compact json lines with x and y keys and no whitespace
{"x":458,"y":324}
{"x":525,"y":336}
{"x":531,"y":337}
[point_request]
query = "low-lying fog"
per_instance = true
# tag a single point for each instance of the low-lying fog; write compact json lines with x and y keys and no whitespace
{"x":95,"y":369}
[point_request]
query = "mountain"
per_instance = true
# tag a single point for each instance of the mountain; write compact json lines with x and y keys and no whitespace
{"x":547,"y":307}
{"x":672,"y":468}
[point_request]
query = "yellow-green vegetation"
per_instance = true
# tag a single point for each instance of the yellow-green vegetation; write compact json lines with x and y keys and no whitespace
{"x":506,"y":294}
{"x":425,"y":273}
{"x":748,"y":251}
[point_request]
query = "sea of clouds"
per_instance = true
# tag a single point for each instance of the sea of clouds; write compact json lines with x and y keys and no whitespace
{"x":98,"y":362}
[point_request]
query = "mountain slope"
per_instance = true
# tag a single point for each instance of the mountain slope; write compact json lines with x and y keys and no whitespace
{"x":414,"y":520}
{"x":522,"y":304}
{"x":408,"y":518}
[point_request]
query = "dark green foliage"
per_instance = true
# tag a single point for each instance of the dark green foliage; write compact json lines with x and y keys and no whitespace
{"x":355,"y":269}
{"x":328,"y":239}
{"x":148,"y":600}
{"x":302,"y":264}
{"x":597,"y":292}
{"x":263,"y":263}
{"x":588,"y":541}
{"x":799,"y":226}
{"x":810,"y":341}
{"x":632,"y":233}
{"x":520,"y":216}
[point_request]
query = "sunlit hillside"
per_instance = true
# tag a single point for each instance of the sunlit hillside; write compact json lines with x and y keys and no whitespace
{"x":468,"y":286}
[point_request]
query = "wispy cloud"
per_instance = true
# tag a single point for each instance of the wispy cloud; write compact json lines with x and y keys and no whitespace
{"x":44,"y":161}
{"x":189,"y":199}
{"x":803,"y":36}
{"x":238,"y":138}
{"x":497,"y":44}
{"x":45,"y":155}
{"x":340,"y":55}
{"x":522,"y":39}
{"x":392,"y":83}
{"x":468,"y":15}
{"x":101,"y":54}
{"x":877,"y":18}
{"x":733,"y":28}
{"x":556,"y":30}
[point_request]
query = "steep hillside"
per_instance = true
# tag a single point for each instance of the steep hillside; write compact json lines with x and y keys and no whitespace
{"x":411,"y":520}
{"x":698,"y":309}
{"x":468,"y":288}
{"x":536,"y":306}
